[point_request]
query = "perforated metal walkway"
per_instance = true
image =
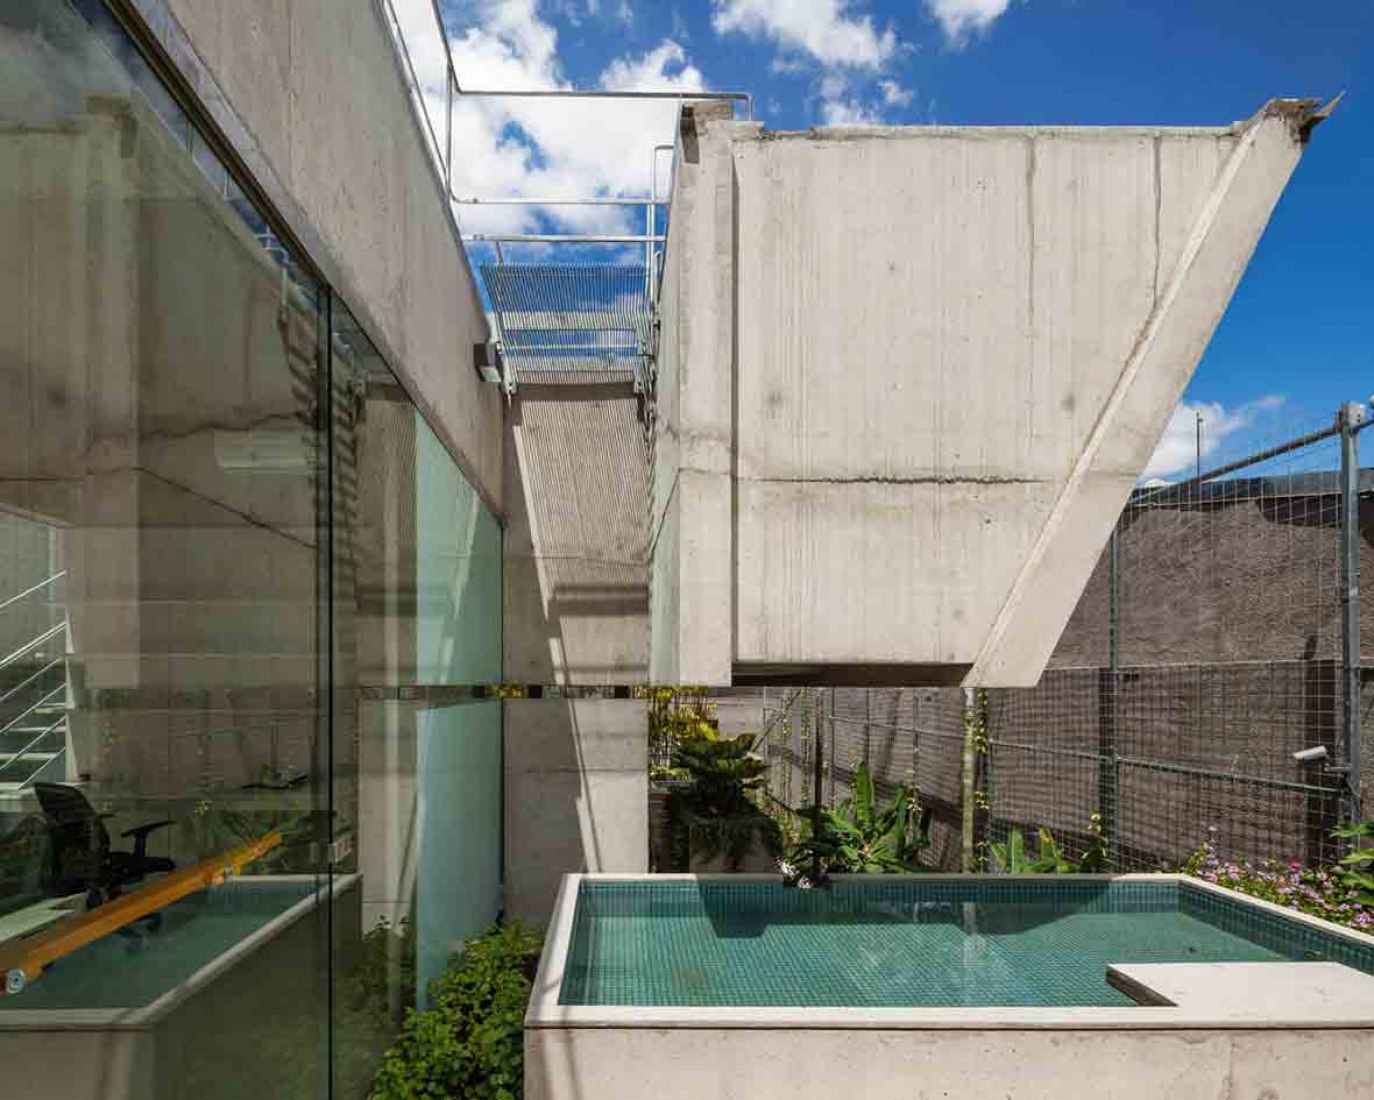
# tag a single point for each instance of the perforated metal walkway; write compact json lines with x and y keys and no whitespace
{"x":571,"y":323}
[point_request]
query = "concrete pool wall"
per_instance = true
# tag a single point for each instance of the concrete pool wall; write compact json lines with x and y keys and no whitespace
{"x":1235,"y":1032}
{"x":230,"y":1030}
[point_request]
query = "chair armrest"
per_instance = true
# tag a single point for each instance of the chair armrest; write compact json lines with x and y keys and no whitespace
{"x":144,"y":830}
{"x":140,"y":835}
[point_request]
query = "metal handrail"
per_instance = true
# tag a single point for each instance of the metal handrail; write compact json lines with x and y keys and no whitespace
{"x":9,"y":660}
{"x":25,"y":750}
{"x":565,"y":238}
{"x":30,"y":679}
{"x":41,"y":702}
{"x":452,"y":86}
{"x":416,"y":87}
{"x":524,"y":200}
{"x":747,"y":98}
{"x":31,"y":591}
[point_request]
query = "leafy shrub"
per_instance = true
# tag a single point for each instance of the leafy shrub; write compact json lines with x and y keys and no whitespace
{"x":860,"y":837}
{"x":1357,"y":868}
{"x":723,"y":771}
{"x":382,"y":981}
{"x":470,"y":1044}
{"x":717,"y":809}
{"x":1011,"y":856}
{"x":677,"y":714}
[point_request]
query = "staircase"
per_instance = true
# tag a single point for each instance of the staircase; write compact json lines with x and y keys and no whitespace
{"x":34,"y":696}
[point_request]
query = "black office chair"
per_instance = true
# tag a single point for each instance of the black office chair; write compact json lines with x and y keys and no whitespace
{"x":81,"y":855}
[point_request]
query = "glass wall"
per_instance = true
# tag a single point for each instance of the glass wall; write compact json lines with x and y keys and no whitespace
{"x":417,"y":623}
{"x":244,"y":591}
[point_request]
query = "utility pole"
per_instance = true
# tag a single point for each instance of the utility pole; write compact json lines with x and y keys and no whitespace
{"x":1197,"y":470}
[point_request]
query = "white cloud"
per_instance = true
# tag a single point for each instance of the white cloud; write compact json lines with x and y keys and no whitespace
{"x":848,"y":112}
{"x":560,"y":148}
{"x":824,"y":29}
{"x":1176,"y":452}
{"x":894,"y":95}
{"x":664,"y":68}
{"x":839,"y":107}
{"x":961,"y":18}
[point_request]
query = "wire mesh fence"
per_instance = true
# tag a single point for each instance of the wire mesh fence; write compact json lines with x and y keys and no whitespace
{"x":1198,"y":693}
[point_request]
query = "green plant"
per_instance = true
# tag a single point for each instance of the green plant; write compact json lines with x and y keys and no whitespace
{"x":1012,"y":856}
{"x":212,"y":829}
{"x":470,"y":1043}
{"x":1357,"y":868}
{"x":1094,"y":858}
{"x":717,"y":809}
{"x":860,"y":837}
{"x":382,"y":983}
{"x":677,"y":714}
{"x":723,"y":772}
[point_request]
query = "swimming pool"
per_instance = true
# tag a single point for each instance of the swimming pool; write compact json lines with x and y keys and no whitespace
{"x":227,"y":999}
{"x":870,"y":943}
{"x":132,"y":970}
{"x":984,"y":987}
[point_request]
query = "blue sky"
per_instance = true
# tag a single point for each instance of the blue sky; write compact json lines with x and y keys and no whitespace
{"x":1299,"y":335}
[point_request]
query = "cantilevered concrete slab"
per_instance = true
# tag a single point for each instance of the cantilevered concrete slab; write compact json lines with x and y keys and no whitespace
{"x":908,"y":377}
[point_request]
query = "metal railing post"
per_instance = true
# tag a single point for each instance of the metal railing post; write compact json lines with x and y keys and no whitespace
{"x":1351,"y":419}
{"x":448,"y":130}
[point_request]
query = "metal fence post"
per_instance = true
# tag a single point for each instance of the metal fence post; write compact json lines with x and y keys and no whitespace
{"x":1351,"y":420}
{"x":816,"y":778}
{"x":967,"y":786}
{"x":1108,"y":682}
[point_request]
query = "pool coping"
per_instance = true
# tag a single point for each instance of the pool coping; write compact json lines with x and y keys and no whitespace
{"x":143,"y":1017}
{"x":545,"y":1011}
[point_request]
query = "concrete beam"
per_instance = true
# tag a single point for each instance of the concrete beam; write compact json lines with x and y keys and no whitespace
{"x":908,"y":375}
{"x":338,"y":150}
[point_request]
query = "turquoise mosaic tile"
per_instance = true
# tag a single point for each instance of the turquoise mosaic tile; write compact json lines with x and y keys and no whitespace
{"x":884,"y":943}
{"x":1292,"y":939}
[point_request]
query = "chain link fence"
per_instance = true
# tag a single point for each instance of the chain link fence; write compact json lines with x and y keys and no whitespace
{"x":1204,"y":661}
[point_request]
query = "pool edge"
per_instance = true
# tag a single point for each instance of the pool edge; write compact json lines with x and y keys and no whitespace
{"x":546,"y":1013}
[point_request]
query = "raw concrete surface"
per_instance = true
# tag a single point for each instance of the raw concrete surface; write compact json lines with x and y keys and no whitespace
{"x":801,"y":1064}
{"x":338,"y":148}
{"x":577,"y":795}
{"x":576,"y":566}
{"x":908,"y":376}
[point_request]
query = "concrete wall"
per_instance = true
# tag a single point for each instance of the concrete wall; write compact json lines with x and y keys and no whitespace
{"x":799,"y":1063}
{"x":313,"y":96}
{"x":577,"y":795}
{"x":576,"y":572}
{"x":909,"y":376}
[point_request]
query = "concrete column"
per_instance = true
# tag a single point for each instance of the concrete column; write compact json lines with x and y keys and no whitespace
{"x":577,"y":795}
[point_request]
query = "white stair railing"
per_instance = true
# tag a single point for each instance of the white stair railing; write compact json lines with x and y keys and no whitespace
{"x":20,"y":768}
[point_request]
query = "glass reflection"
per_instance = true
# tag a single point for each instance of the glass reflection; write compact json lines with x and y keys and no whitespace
{"x":230,"y":638}
{"x":159,"y":513}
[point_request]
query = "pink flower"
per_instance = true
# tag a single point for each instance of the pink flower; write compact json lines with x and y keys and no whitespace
{"x":1295,"y":866}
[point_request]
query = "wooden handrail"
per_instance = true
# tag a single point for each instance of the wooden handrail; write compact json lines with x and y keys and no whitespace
{"x":23,"y":960}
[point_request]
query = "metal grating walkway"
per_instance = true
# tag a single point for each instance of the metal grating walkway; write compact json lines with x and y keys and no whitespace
{"x":561,"y":323}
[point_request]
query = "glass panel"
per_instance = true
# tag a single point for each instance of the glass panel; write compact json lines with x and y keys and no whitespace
{"x":161,"y":696}
{"x":417,"y":622}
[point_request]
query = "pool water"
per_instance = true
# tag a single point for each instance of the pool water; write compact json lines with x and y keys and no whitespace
{"x":912,"y":943}
{"x":131,"y":971}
